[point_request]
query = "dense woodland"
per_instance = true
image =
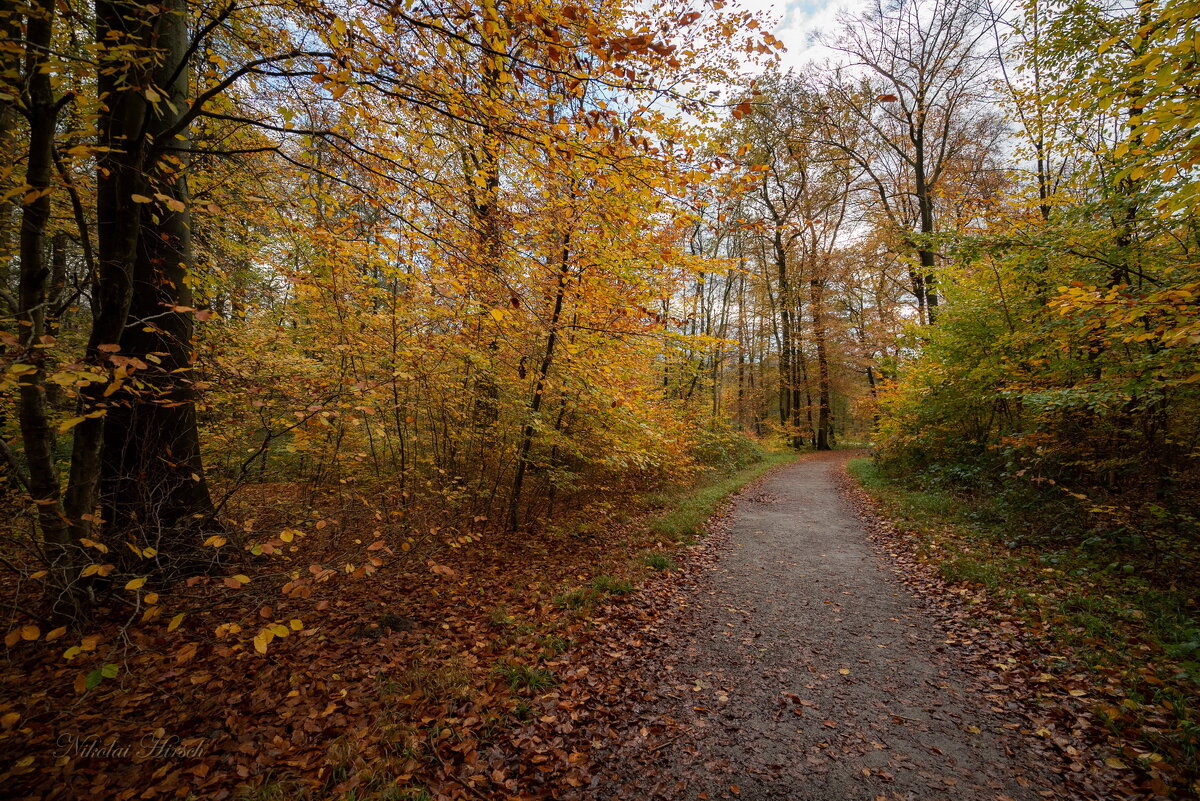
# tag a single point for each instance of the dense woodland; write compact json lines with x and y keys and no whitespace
{"x":294,"y":294}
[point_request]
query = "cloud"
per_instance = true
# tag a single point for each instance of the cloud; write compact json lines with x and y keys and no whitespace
{"x":797,"y":23}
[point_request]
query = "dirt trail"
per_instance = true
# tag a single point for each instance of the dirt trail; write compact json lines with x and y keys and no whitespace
{"x":805,"y":670}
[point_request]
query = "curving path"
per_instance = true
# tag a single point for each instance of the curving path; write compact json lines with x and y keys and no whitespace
{"x":807,"y":671}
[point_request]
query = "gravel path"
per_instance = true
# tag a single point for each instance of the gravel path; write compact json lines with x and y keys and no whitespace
{"x":805,"y":670}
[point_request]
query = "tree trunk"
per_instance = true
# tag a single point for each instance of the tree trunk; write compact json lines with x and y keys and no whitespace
{"x":152,"y":487}
{"x":928,"y":280}
{"x":32,"y":298}
{"x":822,"y":441}
{"x":539,"y":387}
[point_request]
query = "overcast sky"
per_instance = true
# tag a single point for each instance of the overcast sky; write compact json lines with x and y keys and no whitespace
{"x":796,"y":23}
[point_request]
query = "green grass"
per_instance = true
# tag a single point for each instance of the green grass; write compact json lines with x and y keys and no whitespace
{"x":969,"y":570}
{"x":575,"y":599}
{"x":688,"y":512}
{"x":501,"y":618}
{"x":594,"y":593}
{"x":612,"y":585}
{"x":659,"y":561}
{"x":553,"y":645}
{"x":526,"y":677}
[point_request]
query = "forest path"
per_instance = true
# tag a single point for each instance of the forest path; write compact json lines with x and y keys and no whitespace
{"x":803,"y":669}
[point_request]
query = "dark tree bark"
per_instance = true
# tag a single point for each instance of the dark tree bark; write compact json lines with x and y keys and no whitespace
{"x":151,"y":487}
{"x":43,"y":480}
{"x":823,"y":436}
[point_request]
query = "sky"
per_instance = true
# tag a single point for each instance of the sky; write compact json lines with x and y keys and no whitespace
{"x":797,"y":23}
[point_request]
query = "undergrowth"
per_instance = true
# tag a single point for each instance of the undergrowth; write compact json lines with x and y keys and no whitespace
{"x":678,"y":518}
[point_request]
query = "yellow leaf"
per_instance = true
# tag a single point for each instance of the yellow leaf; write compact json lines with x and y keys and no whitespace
{"x":215,"y":541}
{"x":262,"y":640}
{"x":279,"y":630}
{"x":175,"y":621}
{"x":135,"y":584}
{"x":9,"y":720}
{"x":150,"y":598}
{"x":1113,"y":762}
{"x":30,"y":633}
{"x":140,"y":199}
{"x":67,"y":425}
{"x":296,"y":624}
{"x":241,"y":579}
{"x":56,"y":633}
{"x":72,"y":652}
{"x":844,"y":671}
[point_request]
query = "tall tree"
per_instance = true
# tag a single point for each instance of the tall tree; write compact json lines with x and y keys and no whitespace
{"x":909,"y":101}
{"x":152,"y":490}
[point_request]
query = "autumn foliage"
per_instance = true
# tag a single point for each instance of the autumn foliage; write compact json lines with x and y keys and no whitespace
{"x":343,"y":346}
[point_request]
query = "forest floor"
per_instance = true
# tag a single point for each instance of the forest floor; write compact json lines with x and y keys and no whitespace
{"x":801,"y":654}
{"x":800,"y":650}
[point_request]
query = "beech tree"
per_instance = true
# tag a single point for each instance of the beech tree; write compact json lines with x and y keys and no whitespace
{"x":178,"y":159}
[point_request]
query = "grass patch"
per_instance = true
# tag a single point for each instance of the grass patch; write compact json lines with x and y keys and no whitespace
{"x":575,"y":599}
{"x":659,"y":561}
{"x":501,"y":618}
{"x":688,"y":512}
{"x":612,"y":585}
{"x":526,"y":677}
{"x":553,"y":645}
{"x":269,"y":789}
{"x":446,"y":680}
{"x":594,"y":593}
